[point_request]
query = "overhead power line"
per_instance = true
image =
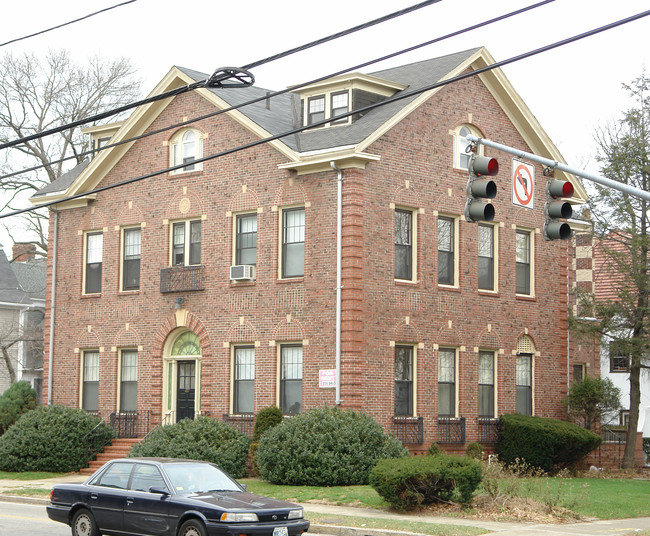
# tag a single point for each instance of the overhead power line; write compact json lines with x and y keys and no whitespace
{"x":293,"y":88}
{"x":395,"y":98}
{"x":215,"y":80}
{"x":67,"y":23}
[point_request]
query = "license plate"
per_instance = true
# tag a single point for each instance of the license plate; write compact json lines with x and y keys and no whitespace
{"x":280,"y":531}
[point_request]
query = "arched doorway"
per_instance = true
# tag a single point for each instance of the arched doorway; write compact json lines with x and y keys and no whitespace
{"x":182,"y":376}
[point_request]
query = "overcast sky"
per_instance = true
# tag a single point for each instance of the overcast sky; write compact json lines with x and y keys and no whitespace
{"x":572,"y":90}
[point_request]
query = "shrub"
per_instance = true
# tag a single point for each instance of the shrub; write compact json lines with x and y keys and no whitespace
{"x":202,"y":438}
{"x":324,"y":447}
{"x":434,"y":450}
{"x":543,"y":443}
{"x":52,"y":438}
{"x":474,"y":450}
{"x":18,"y":399}
{"x":266,"y":419}
{"x":410,"y":483}
{"x":589,"y":399}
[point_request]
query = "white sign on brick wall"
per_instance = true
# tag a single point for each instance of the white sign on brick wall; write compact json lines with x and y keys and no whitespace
{"x":326,"y":378}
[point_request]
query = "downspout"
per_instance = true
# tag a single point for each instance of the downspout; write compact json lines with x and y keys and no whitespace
{"x":50,"y":359}
{"x":339,"y":231}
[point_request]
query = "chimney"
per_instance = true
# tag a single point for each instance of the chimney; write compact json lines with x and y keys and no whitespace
{"x":23,"y":252}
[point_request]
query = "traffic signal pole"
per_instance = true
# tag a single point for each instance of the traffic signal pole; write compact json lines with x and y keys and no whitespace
{"x":631,"y":190}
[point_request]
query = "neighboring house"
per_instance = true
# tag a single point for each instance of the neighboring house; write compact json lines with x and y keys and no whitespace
{"x":213,"y":289}
{"x":22,"y":309}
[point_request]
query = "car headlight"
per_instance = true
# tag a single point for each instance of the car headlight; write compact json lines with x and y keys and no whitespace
{"x":295,"y":514}
{"x":232,"y":517}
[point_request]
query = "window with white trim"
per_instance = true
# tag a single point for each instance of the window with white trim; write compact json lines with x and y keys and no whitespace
{"x":93,"y":265}
{"x":524,"y":262}
{"x":244,"y":379}
{"x":486,"y":256}
{"x":291,"y":378}
{"x":128,"y":379}
{"x":447,"y":382}
{"x":461,"y":146}
{"x":486,"y":396}
{"x":186,"y":243}
{"x":315,"y":109}
{"x":246,"y":238}
{"x":186,"y":147}
{"x":404,"y":244}
{"x":131,"y":240}
{"x":293,"y":242}
{"x":524,"y":382}
{"x":404,"y":365}
{"x":447,"y":261}
{"x":90,"y":381}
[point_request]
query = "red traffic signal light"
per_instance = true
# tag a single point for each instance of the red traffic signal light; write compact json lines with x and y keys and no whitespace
{"x":483,"y":165}
{"x":557,"y":209}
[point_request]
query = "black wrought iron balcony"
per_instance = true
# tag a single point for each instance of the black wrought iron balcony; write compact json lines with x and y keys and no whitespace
{"x":488,"y":431}
{"x":451,"y":430}
{"x":182,"y":278}
{"x":409,"y":430}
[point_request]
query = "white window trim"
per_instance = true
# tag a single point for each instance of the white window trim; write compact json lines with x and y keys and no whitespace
{"x":456,"y":378}
{"x":176,"y":147}
{"x":233,"y":348}
{"x":82,"y":363}
{"x":495,"y":258}
{"x":457,"y":143}
{"x":85,"y":262}
{"x":281,"y":211}
{"x":122,"y":244}
{"x":415,"y":375}
{"x":278,"y":369}
{"x":456,"y":223}
{"x":495,"y":357}
{"x":119,"y":373}
{"x":186,"y":253}
{"x":414,"y":243}
{"x":235,"y":217}
{"x":531,"y":234}
{"x":328,"y":107}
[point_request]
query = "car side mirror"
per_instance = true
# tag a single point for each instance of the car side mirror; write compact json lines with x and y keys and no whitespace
{"x":162,"y":491}
{"x":243,"y":486}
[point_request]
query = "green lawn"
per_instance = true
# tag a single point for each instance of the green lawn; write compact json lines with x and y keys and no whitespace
{"x":30,"y":475}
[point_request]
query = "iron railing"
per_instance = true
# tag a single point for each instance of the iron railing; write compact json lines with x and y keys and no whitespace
{"x":244,"y":422}
{"x":488,"y":431}
{"x":451,"y":430}
{"x":129,"y":424}
{"x":182,"y":278}
{"x":409,"y":430}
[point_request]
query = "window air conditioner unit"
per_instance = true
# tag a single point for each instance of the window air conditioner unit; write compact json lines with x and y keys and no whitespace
{"x":242,"y":272}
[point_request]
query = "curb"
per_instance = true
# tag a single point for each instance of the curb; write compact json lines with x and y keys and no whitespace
{"x":24,"y":500}
{"x":337,"y":530}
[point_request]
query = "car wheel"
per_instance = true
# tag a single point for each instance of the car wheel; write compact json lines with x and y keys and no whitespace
{"x":83,"y":524}
{"x":192,"y":527}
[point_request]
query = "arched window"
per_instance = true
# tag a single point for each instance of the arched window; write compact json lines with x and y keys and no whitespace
{"x":186,"y":344}
{"x":461,"y":146}
{"x":186,"y":147}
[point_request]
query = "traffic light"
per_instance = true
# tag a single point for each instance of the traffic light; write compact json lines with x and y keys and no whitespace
{"x":479,"y":187}
{"x":557,"y":208}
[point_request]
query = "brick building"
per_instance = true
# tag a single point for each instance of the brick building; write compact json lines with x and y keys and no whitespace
{"x":213,"y":289}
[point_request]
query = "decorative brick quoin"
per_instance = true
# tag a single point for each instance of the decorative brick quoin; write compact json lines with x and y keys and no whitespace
{"x":332,"y":266}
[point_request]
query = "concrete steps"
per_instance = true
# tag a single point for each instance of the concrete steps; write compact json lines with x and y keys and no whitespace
{"x":119,"y":448}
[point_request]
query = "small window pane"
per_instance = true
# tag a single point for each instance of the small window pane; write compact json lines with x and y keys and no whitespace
{"x":486,"y":257}
{"x":404,"y":380}
{"x":522,"y":273}
{"x":94,"y":244}
{"x":246,"y":241}
{"x":195,"y":242}
{"x":244,"y":379}
{"x":447,"y":382}
{"x":291,"y":379}
{"x":486,"y":384}
{"x":178,"y":253}
{"x":316,"y":109}
{"x":446,"y":264}
{"x":90,"y":395}
{"x":293,"y":245}
{"x":131,"y":268}
{"x":403,"y":244}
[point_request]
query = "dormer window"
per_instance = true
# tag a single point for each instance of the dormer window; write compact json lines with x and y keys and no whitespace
{"x":186,"y":147}
{"x":316,"y":111}
{"x":340,"y":106}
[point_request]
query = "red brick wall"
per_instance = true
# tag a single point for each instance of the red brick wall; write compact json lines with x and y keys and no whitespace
{"x":376,"y":309}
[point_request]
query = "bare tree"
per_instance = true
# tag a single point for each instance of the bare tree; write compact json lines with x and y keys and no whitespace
{"x":14,"y":334}
{"x":39,"y":94}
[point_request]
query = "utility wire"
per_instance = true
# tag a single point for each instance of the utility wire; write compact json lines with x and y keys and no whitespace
{"x":389,"y":100}
{"x":215,"y":79}
{"x":291,"y":89}
{"x":67,"y":23}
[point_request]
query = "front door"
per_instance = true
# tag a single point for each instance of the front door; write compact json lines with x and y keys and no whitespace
{"x":186,"y":390}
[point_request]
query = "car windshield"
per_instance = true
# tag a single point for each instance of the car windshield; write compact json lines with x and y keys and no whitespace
{"x":199,"y":477}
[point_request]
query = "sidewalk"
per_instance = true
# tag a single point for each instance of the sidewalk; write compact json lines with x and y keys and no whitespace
{"x":334,"y":524}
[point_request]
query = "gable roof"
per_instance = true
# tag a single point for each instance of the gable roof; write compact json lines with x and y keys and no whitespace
{"x":313,"y":150}
{"x":10,"y":290}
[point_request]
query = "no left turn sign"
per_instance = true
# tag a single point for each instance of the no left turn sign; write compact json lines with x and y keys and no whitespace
{"x":523,"y":184}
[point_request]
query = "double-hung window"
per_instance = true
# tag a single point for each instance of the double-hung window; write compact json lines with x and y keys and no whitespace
{"x":186,"y":243}
{"x":339,"y":105}
{"x":244,"y":378}
{"x":90,"y":381}
{"x":403,"y":381}
{"x":462,"y":154}
{"x":293,"y":242}
{"x":315,"y":109}
{"x":446,"y":251}
{"x":131,"y":258}
{"x":187,"y":147}
{"x":246,"y":239}
{"x":486,"y":250}
{"x":404,"y":251}
{"x":524,"y":384}
{"x":93,"y":271}
{"x":619,"y":359}
{"x":486,"y":384}
{"x":447,"y":382}
{"x":290,"y":378}
{"x":128,"y":380}
{"x":523,"y":255}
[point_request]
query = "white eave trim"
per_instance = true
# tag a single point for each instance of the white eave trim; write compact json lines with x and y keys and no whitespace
{"x":322,"y":162}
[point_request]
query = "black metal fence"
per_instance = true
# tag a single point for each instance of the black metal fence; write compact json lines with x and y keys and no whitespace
{"x":182,"y":278}
{"x":244,"y":422}
{"x":488,"y":431}
{"x":451,"y":430}
{"x":129,"y":424}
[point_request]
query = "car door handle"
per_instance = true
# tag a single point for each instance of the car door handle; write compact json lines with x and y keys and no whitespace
{"x":129,"y":501}
{"x":93,"y":496}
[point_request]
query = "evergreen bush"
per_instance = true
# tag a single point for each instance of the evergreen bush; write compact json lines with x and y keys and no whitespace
{"x":409,"y":483}
{"x":52,"y":438}
{"x":18,"y":399}
{"x":474,"y":450}
{"x":202,"y":438}
{"x":548,"y":444}
{"x":266,"y":419}
{"x":324,"y":447}
{"x":434,"y":450}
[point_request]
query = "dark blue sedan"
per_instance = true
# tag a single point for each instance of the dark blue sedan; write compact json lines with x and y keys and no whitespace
{"x":169,"y":497}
